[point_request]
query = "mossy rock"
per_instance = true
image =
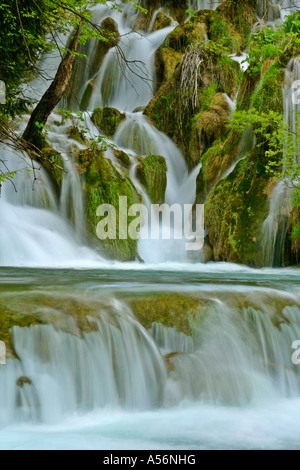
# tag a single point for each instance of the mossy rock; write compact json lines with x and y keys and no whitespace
{"x":236,"y":209}
{"x":291,"y":244}
{"x":107,"y":119}
{"x":248,"y":85}
{"x":23,"y":381}
{"x":84,"y":103}
{"x":163,"y":111}
{"x":182,"y":36}
{"x":174,"y":8}
{"x":215,"y":161}
{"x":109,"y":40}
{"x":268,"y":94}
{"x":66,"y":313}
{"x":162,"y":20}
{"x":76,"y":134}
{"x":166,"y":61}
{"x":152,"y":173}
{"x":209,"y":125}
{"x":220,"y":29}
{"x":104,"y":184}
{"x":122,"y":158}
{"x":169,"y":309}
{"x":241,"y":14}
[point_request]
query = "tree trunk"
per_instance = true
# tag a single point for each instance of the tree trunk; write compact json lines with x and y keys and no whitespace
{"x":53,"y":95}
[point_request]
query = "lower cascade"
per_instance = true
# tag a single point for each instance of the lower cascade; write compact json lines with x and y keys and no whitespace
{"x":238,"y":351}
{"x":146,"y":343}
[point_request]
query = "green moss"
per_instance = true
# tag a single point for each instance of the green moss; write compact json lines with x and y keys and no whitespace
{"x":152,"y":173}
{"x":185,"y":35}
{"x":122,"y":158}
{"x":241,"y":14}
{"x":172,"y":310}
{"x":67,"y":313}
{"x":218,"y":74}
{"x":86,"y":66}
{"x":268,"y":94}
{"x":220,"y":33}
{"x":206,"y":97}
{"x":208,"y":125}
{"x":107,"y":119}
{"x":176,"y":9}
{"x":54,"y":165}
{"x":76,"y":134}
{"x":161,"y":21}
{"x":166,"y":61}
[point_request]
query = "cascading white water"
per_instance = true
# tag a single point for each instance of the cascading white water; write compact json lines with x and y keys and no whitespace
{"x":237,"y":355}
{"x":34,"y":230}
{"x":134,"y":87}
{"x":275,"y":11}
{"x":204,"y":4}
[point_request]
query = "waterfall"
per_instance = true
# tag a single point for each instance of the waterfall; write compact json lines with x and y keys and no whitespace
{"x":237,"y":355}
{"x":275,"y":11}
{"x":117,"y":364}
{"x":34,"y":228}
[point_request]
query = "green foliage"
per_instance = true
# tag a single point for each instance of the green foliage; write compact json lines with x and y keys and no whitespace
{"x":292,"y":23}
{"x":270,"y":43}
{"x":9,"y":175}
